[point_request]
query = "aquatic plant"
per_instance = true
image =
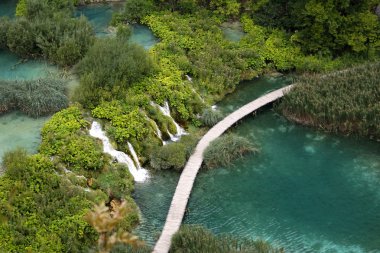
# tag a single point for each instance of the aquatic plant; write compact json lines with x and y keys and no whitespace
{"x":210,"y":117}
{"x":225,"y":149}
{"x":35,"y":98}
{"x":347,"y":101}
{"x":197,"y":239}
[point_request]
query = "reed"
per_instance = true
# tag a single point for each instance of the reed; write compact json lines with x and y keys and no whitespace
{"x":347,"y":101}
{"x":196,"y":239}
{"x":227,"y":148}
{"x":35,"y":98}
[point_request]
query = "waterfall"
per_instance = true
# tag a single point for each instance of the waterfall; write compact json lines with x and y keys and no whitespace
{"x":158,"y":132}
{"x":166,"y":111}
{"x":189,"y":78}
{"x":138,"y":174}
{"x":134,"y":155}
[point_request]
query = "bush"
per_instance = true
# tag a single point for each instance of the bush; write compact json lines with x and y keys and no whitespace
{"x":211,"y":117}
{"x":227,"y":148}
{"x":117,"y":183}
{"x":170,"y":156}
{"x":173,"y":155}
{"x":41,"y":211}
{"x":21,"y":38}
{"x":196,"y":239}
{"x":109,"y":68}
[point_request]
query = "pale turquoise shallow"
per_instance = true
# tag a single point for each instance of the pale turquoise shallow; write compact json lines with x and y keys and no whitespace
{"x":306,"y":191}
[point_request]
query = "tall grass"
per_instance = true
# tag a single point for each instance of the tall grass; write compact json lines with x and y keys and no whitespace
{"x":34,"y":98}
{"x":346,"y":101}
{"x":227,"y":148}
{"x":196,"y":239}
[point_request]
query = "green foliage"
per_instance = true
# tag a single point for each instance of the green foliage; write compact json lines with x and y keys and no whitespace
{"x":21,"y":38}
{"x":109,"y":68}
{"x":4,"y":27}
{"x":46,"y":28}
{"x":41,"y":211}
{"x":345,"y":101}
{"x":210,"y":117}
{"x":21,"y":8}
{"x":118,"y":182}
{"x":196,"y":239}
{"x":227,"y":148}
{"x":325,"y":27}
{"x":135,"y":10}
{"x":173,"y":155}
{"x":34,"y":98}
{"x":170,"y":156}
{"x":65,"y":137}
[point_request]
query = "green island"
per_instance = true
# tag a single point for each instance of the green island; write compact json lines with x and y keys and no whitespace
{"x":115,"y":96}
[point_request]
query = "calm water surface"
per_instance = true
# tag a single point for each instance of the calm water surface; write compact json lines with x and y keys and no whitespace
{"x":305,"y":191}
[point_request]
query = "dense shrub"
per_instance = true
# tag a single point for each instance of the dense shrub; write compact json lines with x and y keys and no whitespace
{"x":46,"y":28}
{"x":118,"y":183}
{"x":196,"y":239}
{"x":347,"y":101}
{"x":109,"y":68}
{"x":173,"y":155}
{"x":227,"y":148}
{"x":65,"y":137}
{"x":42,"y":212}
{"x":34,"y":98}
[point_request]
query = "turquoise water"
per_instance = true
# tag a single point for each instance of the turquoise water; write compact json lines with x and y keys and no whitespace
{"x":8,"y":7}
{"x":100,"y":15}
{"x":233,"y":32}
{"x":305,"y":191}
{"x":18,"y":130}
{"x":14,"y":68}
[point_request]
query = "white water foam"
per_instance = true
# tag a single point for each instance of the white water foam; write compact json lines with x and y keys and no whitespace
{"x":166,"y":111}
{"x":140,"y":175}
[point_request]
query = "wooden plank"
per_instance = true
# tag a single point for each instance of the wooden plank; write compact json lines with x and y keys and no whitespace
{"x":189,"y":173}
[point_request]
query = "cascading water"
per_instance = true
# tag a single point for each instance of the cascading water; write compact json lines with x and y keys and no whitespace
{"x":140,"y":175}
{"x":189,"y":78}
{"x":158,"y":131}
{"x":134,"y":155}
{"x":166,"y":111}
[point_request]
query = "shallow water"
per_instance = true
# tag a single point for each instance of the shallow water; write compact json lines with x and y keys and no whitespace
{"x":18,"y":130}
{"x":14,"y":68}
{"x":233,"y":32}
{"x":305,"y":191}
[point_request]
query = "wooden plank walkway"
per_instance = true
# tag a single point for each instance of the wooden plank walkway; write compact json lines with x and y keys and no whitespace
{"x":186,"y":181}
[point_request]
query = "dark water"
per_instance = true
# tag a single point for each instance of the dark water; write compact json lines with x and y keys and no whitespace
{"x":305,"y":191}
{"x":8,"y":7}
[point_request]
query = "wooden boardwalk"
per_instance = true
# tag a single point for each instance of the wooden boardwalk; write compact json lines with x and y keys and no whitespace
{"x":186,"y":181}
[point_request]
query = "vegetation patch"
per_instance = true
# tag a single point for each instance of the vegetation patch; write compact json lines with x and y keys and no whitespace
{"x":347,"y":101}
{"x":227,"y":148}
{"x":35,"y":98}
{"x":197,"y":239}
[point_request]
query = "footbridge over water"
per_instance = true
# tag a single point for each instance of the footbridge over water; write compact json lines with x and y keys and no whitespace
{"x":186,"y":181}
